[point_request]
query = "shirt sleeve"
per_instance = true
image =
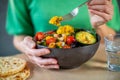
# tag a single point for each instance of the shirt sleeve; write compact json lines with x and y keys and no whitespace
{"x":115,"y":22}
{"x":18,"y":20}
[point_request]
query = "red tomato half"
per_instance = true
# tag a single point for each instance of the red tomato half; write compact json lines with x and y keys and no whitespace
{"x":51,"y":40}
{"x":70,"y":40}
{"x":39,"y":36}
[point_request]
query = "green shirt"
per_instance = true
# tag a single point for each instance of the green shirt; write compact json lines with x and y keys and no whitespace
{"x":30,"y":16}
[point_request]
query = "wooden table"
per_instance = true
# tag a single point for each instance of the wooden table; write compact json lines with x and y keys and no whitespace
{"x":94,"y":69}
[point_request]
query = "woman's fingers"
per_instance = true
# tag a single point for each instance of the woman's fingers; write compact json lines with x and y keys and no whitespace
{"x":39,"y":52}
{"x":106,"y":16}
{"x":107,"y":8}
{"x":30,"y":45}
{"x":101,"y":11}
{"x":97,"y":7}
{"x":28,"y":41}
{"x":101,"y":8}
{"x":46,"y":63}
{"x":34,"y":54}
{"x":96,"y":21}
{"x":98,"y":2}
{"x":50,"y":66}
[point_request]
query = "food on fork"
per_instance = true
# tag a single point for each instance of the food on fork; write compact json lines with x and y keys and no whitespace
{"x":56,"y":20}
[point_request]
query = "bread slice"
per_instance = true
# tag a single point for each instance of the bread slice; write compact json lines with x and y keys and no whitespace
{"x":11,"y":65}
{"x":22,"y":75}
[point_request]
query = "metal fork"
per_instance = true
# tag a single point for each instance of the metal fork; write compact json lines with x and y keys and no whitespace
{"x":74,"y":12}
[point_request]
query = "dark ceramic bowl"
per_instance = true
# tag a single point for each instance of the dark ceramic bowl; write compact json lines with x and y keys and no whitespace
{"x":73,"y":57}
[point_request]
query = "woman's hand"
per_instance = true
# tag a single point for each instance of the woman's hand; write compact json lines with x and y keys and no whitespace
{"x":27,"y":46}
{"x":101,"y":11}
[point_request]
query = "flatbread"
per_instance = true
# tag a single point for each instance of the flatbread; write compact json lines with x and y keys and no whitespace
{"x":22,"y":75}
{"x":11,"y":65}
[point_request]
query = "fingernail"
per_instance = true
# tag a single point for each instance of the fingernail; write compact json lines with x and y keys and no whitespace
{"x":89,"y":7}
{"x":54,"y":62}
{"x":57,"y":67}
{"x":32,"y":45}
{"x":47,"y":51}
{"x":35,"y":59}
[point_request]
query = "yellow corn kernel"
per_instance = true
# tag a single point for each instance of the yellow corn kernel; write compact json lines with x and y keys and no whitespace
{"x":52,"y":45}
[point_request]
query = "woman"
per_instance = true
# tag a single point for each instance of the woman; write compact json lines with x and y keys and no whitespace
{"x":26,"y":17}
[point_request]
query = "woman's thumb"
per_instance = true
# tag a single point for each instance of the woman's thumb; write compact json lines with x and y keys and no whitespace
{"x":29,"y":42}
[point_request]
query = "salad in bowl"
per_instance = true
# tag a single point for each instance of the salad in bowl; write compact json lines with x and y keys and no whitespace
{"x":70,"y":46}
{"x":65,"y":36}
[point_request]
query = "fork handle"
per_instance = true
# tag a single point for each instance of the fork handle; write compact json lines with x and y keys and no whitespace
{"x":84,"y":3}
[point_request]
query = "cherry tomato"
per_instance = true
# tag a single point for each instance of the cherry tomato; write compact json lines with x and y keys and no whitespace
{"x":51,"y":40}
{"x":70,"y":40}
{"x":39,"y":36}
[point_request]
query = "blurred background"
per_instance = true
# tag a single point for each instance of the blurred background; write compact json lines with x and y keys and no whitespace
{"x":6,"y":44}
